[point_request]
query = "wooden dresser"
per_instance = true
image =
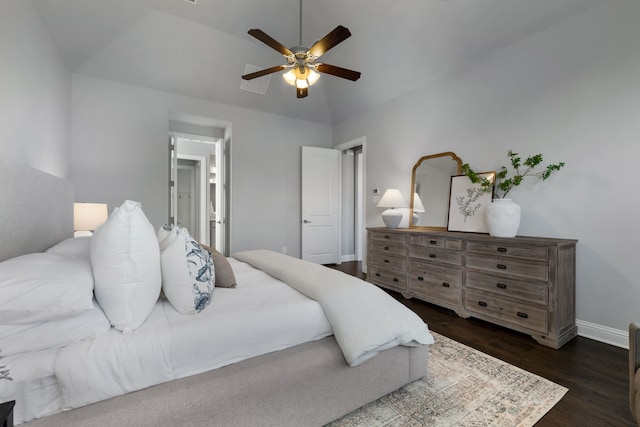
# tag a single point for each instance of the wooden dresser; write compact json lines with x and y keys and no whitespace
{"x":523,"y":283}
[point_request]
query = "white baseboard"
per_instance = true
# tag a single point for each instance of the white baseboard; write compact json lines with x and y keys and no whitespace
{"x":603,"y":334}
{"x":348,"y":258}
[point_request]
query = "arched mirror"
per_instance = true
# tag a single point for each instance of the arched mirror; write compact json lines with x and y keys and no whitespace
{"x":431,"y":184}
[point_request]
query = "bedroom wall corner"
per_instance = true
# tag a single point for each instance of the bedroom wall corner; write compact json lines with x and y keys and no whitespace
{"x":35,"y":106}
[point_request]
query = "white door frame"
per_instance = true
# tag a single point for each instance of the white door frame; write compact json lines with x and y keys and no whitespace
{"x":361,"y":230}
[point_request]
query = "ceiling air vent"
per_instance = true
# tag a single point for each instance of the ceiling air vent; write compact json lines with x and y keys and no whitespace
{"x":258,"y":85}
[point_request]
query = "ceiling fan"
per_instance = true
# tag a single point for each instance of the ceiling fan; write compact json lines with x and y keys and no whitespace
{"x":301,"y":61}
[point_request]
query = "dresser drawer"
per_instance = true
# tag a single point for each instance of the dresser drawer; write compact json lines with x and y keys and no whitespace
{"x":529,"y":252}
{"x":527,"y":291}
{"x":435,"y":242}
{"x":388,"y":237}
{"x":440,"y":255}
{"x":514,"y":312}
{"x":436,"y":282}
{"x":396,"y":280}
{"x":508,"y":267}
{"x":387,"y":248}
{"x":388,"y":261}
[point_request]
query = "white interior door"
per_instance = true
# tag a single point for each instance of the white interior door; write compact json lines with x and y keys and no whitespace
{"x":320,"y":205}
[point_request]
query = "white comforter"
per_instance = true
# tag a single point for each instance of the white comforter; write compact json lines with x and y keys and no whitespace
{"x":261,"y":315}
{"x":365,"y":320}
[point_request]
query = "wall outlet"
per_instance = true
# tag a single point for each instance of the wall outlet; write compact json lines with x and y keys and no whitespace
{"x":284,"y":250}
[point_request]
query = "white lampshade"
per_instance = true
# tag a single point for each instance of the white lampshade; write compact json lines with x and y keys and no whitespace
{"x":88,"y":216}
{"x":417,"y":203}
{"x":392,"y":198}
{"x":313,"y":77}
{"x":290,"y":77}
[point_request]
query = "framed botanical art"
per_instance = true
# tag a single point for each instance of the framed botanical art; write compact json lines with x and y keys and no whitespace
{"x":468,"y":203}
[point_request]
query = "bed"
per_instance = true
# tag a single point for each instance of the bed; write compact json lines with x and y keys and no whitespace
{"x":310,"y":374}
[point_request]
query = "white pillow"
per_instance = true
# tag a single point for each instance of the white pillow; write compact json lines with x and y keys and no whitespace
{"x":188,"y":275}
{"x":56,"y":333}
{"x":78,"y":246}
{"x":40,"y":287}
{"x":125,"y":257}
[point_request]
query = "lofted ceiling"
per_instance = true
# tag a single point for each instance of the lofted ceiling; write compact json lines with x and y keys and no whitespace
{"x":201,"y":50}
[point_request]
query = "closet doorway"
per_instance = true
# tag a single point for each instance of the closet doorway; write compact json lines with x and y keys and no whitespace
{"x":353,"y":226}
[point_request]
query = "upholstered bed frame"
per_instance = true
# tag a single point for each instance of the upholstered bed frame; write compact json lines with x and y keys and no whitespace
{"x":37,"y":210}
{"x":309,"y":384}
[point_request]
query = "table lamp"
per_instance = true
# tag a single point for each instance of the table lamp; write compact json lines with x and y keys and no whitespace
{"x":392,"y":199}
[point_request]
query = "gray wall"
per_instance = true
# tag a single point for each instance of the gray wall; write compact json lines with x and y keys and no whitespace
{"x":35,"y":93}
{"x":119,"y":151}
{"x":572,"y":93}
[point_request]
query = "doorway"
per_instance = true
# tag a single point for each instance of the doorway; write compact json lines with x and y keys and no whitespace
{"x":197,"y":189}
{"x":353,"y":224}
{"x":334,"y":230}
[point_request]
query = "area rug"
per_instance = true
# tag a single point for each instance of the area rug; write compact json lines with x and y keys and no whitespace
{"x":465,"y":387}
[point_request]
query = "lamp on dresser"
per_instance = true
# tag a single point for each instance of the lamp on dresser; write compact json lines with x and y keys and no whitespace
{"x":392,"y":199}
{"x":87,"y":217}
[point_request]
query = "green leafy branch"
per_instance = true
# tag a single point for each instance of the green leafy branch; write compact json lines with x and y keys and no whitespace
{"x":521,"y":170}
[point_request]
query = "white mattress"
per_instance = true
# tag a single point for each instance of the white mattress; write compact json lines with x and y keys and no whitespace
{"x":261,"y":315}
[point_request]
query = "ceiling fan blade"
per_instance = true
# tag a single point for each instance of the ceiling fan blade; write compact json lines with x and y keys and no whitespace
{"x":264,"y":72}
{"x":338,"y":71}
{"x":338,"y":35}
{"x":302,"y":92}
{"x":266,"y":39}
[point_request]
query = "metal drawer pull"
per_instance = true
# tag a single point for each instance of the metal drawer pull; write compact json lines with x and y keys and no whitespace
{"x":386,"y":261}
{"x":482,"y":303}
{"x":386,"y":248}
{"x":501,"y":266}
{"x":501,"y":285}
{"x":523,"y":315}
{"x":395,"y":279}
{"x":386,"y":236}
{"x":421,"y":278}
{"x":502,"y":249}
{"x":433,"y":242}
{"x":445,"y":284}
{"x":433,"y":256}
{"x":377,"y":274}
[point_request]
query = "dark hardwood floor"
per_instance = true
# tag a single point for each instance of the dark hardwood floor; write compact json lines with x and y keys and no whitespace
{"x":596,"y":374}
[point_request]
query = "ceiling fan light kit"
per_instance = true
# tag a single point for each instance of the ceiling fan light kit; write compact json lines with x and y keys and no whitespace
{"x":302,"y":69}
{"x":301,"y":77}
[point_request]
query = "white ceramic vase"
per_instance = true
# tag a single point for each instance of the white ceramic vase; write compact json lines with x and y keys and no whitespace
{"x":503,"y":218}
